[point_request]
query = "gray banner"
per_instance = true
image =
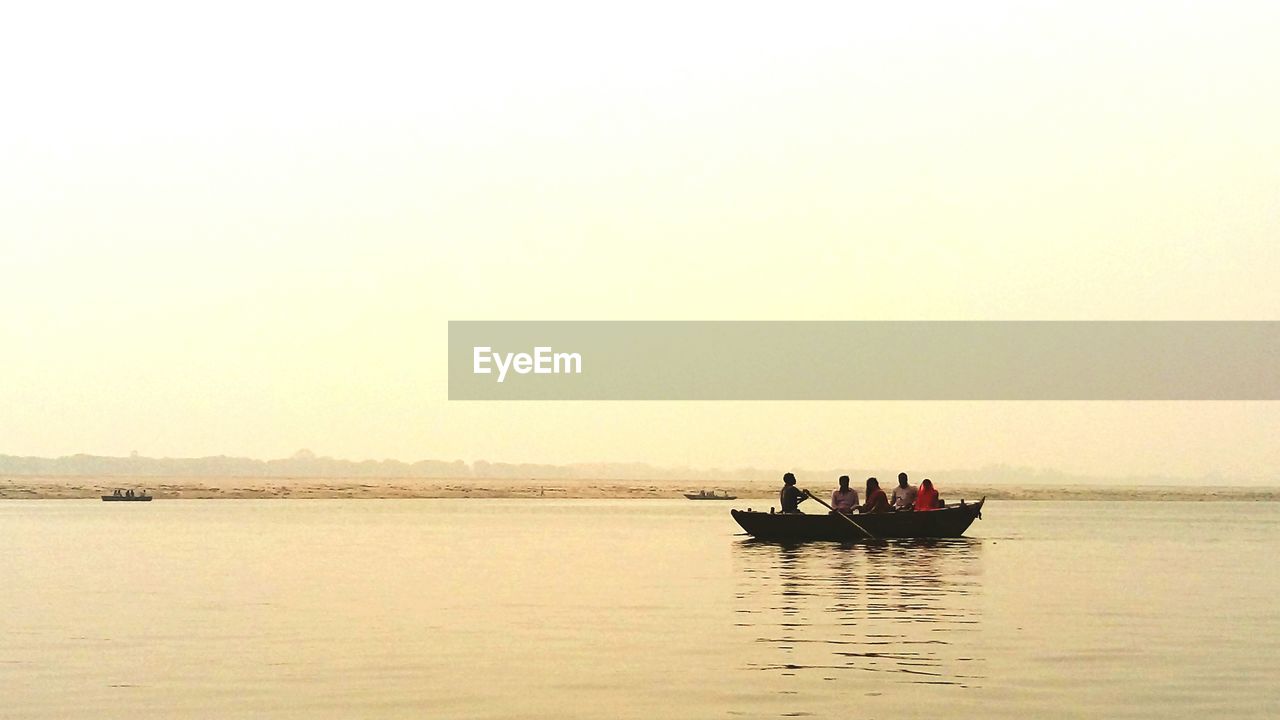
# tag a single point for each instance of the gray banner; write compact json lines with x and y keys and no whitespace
{"x":715,"y":360}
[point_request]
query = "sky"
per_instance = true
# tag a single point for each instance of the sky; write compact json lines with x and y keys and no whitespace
{"x":242,"y":229}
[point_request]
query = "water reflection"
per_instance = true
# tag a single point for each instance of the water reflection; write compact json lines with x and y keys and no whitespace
{"x":907,"y":609}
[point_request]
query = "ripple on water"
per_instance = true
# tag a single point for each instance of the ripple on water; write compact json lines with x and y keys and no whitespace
{"x":898,"y":610}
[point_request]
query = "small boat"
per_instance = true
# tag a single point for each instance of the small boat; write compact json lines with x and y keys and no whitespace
{"x":704,"y":495}
{"x":948,"y":522}
{"x":119,"y":496}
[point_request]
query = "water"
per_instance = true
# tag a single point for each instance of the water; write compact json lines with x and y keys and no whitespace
{"x":629,"y":609}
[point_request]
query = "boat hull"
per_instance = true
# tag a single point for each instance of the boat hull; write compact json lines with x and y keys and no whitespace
{"x":797,"y":527}
{"x":695,"y":496}
{"x":122,"y":498}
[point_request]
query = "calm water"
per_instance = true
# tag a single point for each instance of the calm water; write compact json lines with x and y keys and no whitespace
{"x":629,"y":609}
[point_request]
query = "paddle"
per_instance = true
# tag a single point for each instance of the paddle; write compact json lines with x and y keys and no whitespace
{"x":846,"y":517}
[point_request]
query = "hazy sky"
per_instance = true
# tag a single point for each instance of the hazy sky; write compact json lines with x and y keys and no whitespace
{"x":241,"y":228}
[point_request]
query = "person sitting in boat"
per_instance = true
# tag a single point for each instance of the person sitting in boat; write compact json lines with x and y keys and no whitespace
{"x":904,"y":496}
{"x":845,"y":499}
{"x":791,"y":496}
{"x":877,"y":501}
{"x":927,"y":498}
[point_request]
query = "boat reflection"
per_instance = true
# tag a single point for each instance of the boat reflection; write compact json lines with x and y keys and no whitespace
{"x":909,"y":609}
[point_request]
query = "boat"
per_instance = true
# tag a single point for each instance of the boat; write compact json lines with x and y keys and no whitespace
{"x":948,"y":522}
{"x":119,"y":496}
{"x":704,"y":495}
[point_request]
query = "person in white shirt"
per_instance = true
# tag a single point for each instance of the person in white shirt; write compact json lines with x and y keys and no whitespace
{"x":844,"y":499}
{"x":904,"y":496}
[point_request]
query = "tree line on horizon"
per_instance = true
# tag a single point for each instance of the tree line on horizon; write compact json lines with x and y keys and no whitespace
{"x":305,"y":464}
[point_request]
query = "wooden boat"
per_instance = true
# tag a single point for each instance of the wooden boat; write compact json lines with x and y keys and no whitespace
{"x":946,"y":522}
{"x":126,"y":498}
{"x":704,"y":495}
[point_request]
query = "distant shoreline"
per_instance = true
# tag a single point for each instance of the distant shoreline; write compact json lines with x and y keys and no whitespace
{"x":205,"y":488}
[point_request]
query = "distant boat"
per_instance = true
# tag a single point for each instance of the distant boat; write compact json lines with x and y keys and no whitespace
{"x":948,"y":522}
{"x":121,"y":496}
{"x":704,"y":495}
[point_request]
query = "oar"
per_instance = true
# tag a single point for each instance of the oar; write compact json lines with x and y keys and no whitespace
{"x":846,"y":517}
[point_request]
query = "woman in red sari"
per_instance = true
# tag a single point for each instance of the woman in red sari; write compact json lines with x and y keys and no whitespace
{"x":877,"y":502}
{"x":927,"y":497}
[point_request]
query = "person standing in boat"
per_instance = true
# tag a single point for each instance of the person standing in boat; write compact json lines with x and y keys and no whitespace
{"x":844,"y":499}
{"x":791,"y":496}
{"x":877,"y":501}
{"x":904,"y":496}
